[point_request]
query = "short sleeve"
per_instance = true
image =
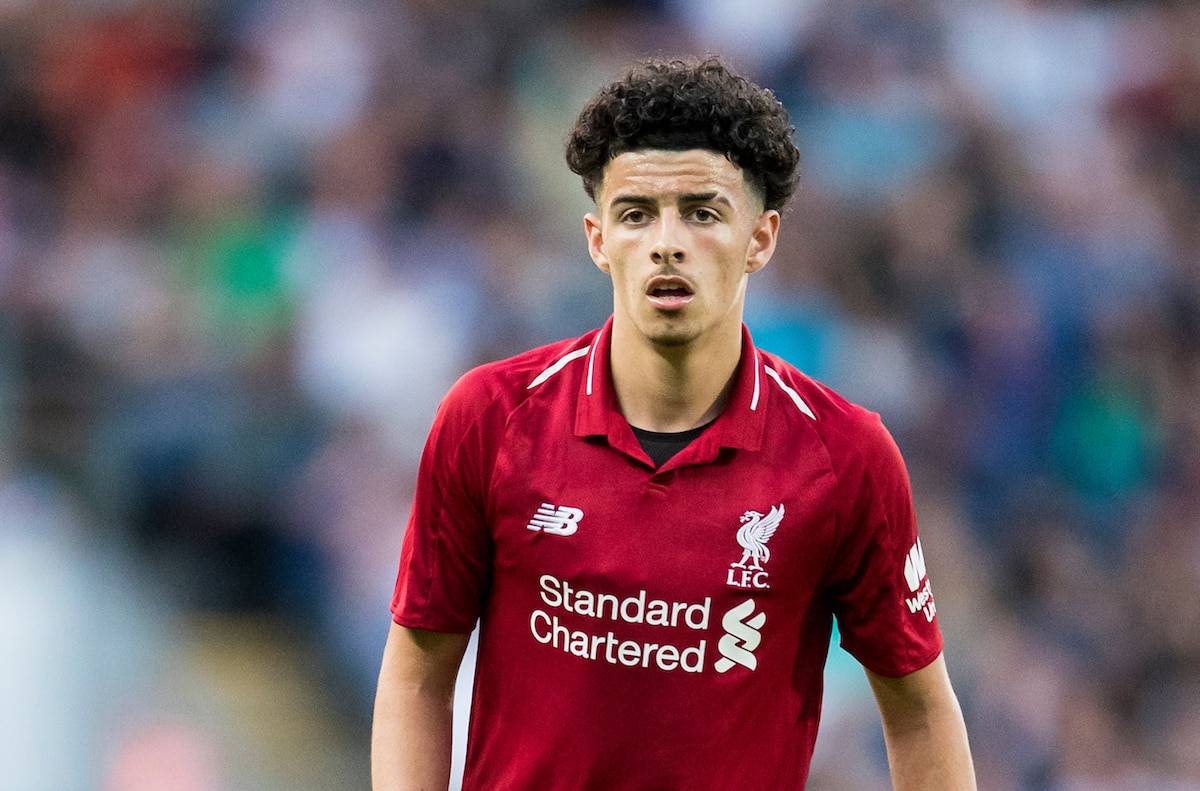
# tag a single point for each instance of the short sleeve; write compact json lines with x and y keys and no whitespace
{"x":878,"y":583}
{"x":445,"y":558}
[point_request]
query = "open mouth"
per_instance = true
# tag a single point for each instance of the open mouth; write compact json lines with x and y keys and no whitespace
{"x":669,"y":293}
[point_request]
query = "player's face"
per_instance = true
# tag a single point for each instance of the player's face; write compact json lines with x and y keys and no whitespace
{"x":679,"y":232}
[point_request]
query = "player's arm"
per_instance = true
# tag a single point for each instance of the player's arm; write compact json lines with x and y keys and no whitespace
{"x":923,"y":727}
{"x":414,"y":705}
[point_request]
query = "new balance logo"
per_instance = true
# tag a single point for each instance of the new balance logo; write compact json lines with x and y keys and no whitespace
{"x":914,"y":575}
{"x":741,"y":637}
{"x":560,"y":521}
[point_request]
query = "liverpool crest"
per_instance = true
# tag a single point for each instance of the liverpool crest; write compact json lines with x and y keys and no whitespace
{"x":753,"y":535}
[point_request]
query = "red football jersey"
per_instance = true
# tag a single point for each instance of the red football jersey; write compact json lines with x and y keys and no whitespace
{"x":666,"y":628}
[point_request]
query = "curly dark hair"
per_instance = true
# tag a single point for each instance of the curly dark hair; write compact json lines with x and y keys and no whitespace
{"x":678,"y":105}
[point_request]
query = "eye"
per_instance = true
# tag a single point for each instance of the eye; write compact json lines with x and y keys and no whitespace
{"x":705,"y":216}
{"x":635,"y":216}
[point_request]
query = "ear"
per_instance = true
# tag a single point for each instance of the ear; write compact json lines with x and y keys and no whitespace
{"x":595,"y":240}
{"x":762,"y":240}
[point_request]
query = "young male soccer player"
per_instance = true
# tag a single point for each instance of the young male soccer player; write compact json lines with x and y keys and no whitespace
{"x":656,"y":523}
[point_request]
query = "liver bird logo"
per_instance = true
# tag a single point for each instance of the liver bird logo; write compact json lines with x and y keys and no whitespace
{"x":753,"y":535}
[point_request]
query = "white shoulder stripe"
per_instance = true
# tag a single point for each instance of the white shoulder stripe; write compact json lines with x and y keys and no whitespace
{"x":592,"y":360}
{"x":754,"y":400}
{"x":558,"y":366}
{"x":796,"y":399}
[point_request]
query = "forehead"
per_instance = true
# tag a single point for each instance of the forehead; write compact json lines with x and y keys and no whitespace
{"x":658,"y":173}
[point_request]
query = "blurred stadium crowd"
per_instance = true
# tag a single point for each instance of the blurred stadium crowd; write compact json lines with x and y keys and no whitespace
{"x":245,"y":247}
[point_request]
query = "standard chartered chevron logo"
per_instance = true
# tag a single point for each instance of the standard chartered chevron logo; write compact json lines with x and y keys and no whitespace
{"x":741,"y":637}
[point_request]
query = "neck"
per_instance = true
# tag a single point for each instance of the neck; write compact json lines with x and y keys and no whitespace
{"x":673,"y":388}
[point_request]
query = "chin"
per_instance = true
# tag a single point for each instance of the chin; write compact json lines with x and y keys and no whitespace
{"x":671,"y":334}
{"x":672,"y":340}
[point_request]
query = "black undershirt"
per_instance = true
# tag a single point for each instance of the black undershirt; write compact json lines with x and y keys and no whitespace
{"x":661,"y":446}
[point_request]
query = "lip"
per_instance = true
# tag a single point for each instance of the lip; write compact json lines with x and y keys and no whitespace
{"x":669,"y":281}
{"x":672,"y":302}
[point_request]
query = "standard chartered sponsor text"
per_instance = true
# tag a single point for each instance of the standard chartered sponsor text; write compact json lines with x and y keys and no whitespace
{"x":591,"y":644}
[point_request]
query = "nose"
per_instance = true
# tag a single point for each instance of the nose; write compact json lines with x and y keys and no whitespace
{"x":668,"y":248}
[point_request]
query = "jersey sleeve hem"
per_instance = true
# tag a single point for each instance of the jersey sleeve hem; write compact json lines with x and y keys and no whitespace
{"x":900,"y":669}
{"x":431,"y":624}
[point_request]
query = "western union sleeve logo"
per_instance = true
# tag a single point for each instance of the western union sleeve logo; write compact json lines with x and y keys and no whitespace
{"x":914,"y":576}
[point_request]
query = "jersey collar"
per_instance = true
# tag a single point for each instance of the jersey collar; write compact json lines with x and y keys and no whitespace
{"x":740,"y":425}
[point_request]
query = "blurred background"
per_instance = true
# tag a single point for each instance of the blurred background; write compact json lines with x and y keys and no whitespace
{"x":245,"y":247}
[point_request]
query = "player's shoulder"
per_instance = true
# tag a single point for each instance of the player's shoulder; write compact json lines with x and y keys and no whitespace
{"x":845,"y":428}
{"x":826,"y":409}
{"x":506,"y":383}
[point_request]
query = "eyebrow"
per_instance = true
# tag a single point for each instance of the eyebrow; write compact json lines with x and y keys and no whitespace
{"x":690,"y":197}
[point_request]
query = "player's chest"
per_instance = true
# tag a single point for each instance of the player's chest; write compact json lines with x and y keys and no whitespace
{"x":745,"y":523}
